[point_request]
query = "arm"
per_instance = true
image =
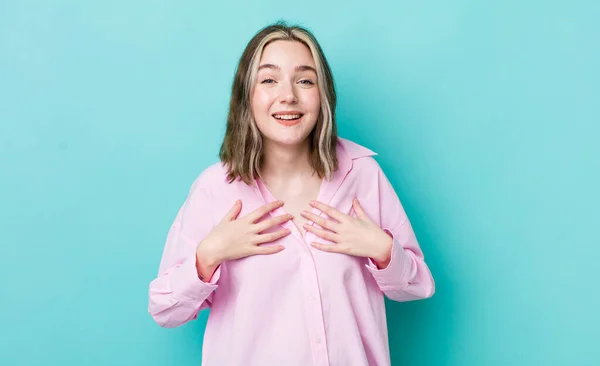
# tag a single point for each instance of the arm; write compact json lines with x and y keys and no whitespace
{"x":406,"y":276}
{"x":177,"y":294}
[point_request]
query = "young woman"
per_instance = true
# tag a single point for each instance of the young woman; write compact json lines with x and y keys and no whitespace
{"x":295,"y":236}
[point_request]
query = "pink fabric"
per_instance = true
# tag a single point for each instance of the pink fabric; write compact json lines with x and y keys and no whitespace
{"x":301,"y":306}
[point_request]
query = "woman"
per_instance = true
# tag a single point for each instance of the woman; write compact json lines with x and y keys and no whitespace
{"x":295,"y":236}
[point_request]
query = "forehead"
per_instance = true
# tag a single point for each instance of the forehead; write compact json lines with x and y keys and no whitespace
{"x":286,"y":54}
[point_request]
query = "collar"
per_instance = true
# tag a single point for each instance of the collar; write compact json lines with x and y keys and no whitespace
{"x":354,"y":150}
{"x":347,"y":152}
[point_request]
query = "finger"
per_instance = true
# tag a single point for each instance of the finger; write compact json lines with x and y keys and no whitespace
{"x":330,"y":211}
{"x":263,"y":210}
{"x":331,"y":248}
{"x":361,"y":214}
{"x":325,"y":234}
{"x":323,"y":222}
{"x":267,"y":224}
{"x":269,"y":237}
{"x":271,"y":249}
{"x":233,"y":211}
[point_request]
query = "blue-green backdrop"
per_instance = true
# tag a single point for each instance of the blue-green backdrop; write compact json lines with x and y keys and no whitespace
{"x":485,"y":115}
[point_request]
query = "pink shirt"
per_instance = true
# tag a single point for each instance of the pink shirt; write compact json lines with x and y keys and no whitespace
{"x":301,"y":306}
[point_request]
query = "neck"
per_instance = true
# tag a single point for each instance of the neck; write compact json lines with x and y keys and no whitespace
{"x":282,"y":161}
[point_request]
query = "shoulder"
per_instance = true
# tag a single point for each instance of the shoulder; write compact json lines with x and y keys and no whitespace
{"x":210,"y":178}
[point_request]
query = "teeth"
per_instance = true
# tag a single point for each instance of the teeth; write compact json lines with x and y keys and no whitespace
{"x":287,"y":116}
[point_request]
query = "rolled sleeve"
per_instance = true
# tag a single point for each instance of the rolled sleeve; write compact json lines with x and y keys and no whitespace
{"x":187,"y":286}
{"x":399,"y":271}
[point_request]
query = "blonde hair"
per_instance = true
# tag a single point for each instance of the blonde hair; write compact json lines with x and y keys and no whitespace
{"x":242,"y":147}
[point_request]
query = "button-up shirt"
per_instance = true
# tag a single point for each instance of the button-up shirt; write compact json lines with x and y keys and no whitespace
{"x":301,"y":306}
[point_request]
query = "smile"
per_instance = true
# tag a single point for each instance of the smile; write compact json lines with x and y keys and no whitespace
{"x":288,"y":119}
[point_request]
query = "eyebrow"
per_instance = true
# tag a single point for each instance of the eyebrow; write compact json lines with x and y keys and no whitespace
{"x":297,"y":68}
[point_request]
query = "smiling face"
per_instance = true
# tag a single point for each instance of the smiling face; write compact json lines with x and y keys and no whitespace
{"x":286,"y":101}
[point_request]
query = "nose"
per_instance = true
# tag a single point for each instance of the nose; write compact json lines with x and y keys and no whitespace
{"x":288,"y":94}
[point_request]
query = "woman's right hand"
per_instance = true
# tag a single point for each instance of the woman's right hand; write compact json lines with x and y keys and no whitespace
{"x":235,"y":238}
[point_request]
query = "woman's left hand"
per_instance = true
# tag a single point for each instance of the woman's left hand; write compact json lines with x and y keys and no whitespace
{"x":358,"y":236}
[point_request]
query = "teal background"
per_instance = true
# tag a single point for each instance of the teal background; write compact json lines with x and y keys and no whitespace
{"x":485,"y":115}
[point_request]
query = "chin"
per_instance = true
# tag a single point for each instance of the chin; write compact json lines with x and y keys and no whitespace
{"x":288,"y":136}
{"x":287,"y":140}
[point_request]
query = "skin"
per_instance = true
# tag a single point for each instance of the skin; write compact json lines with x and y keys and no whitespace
{"x":287,"y":81}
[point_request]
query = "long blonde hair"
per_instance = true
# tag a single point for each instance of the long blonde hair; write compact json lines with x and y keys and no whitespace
{"x":242,"y":147}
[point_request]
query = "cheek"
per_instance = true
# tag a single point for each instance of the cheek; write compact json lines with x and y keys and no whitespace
{"x":261,"y":101}
{"x":313,"y":101}
{"x":261,"y":104}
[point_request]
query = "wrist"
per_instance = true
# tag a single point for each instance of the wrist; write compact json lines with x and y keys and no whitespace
{"x":383,"y":255}
{"x":206,"y":263}
{"x":207,"y":255}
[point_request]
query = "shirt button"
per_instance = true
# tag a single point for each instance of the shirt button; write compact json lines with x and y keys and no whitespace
{"x":318,"y":340}
{"x":313,"y":296}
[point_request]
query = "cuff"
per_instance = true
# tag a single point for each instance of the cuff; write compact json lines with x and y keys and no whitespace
{"x":397,"y":271}
{"x":186,"y":284}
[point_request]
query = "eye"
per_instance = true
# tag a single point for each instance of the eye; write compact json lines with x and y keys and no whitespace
{"x":307,"y":82}
{"x":267,"y":81}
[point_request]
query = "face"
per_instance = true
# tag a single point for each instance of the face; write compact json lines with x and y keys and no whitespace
{"x":286,"y":101}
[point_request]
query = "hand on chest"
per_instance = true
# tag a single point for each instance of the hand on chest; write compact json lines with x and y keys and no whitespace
{"x":299,"y":255}
{"x":329,"y":228}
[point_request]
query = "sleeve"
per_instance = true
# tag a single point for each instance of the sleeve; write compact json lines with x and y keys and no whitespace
{"x":407,"y":277}
{"x":177,"y":294}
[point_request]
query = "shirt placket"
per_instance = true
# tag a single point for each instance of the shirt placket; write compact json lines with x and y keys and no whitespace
{"x":314,"y":308}
{"x":313,"y":302}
